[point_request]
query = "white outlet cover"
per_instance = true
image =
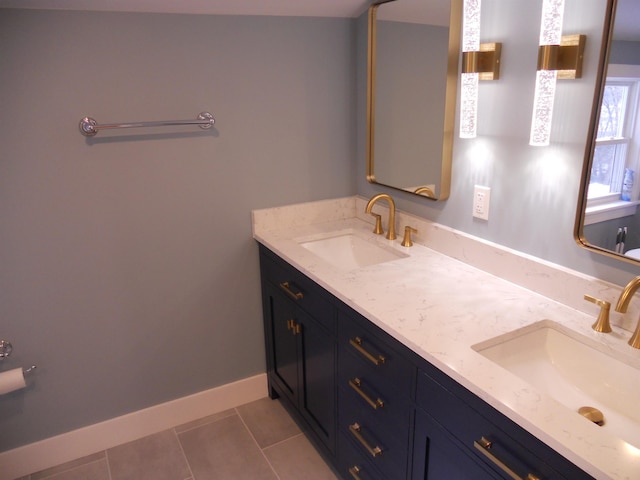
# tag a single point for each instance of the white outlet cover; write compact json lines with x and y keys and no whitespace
{"x":481,"y":200}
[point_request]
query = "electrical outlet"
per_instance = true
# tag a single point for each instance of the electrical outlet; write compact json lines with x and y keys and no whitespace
{"x":481,"y":197}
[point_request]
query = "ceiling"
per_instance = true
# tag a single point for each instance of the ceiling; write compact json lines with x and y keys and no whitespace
{"x":304,"y":8}
{"x":626,"y":21}
{"x":432,"y":12}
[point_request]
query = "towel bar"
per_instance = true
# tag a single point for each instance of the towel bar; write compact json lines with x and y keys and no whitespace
{"x":89,"y":127}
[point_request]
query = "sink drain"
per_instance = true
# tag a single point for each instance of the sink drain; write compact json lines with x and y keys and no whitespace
{"x":593,"y":414}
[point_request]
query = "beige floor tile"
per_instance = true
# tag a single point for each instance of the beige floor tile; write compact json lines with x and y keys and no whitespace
{"x":74,"y":464}
{"x":268,"y":421}
{"x":97,"y":470}
{"x":203,"y":421}
{"x":156,"y":457}
{"x":296,"y":458}
{"x":224,"y":450}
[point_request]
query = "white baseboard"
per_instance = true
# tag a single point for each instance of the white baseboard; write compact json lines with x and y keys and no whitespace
{"x":69,"y":446}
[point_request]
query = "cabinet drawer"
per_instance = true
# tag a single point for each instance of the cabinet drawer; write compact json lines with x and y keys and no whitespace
{"x":523,"y":455}
{"x":353,"y":464}
{"x":371,"y":393}
{"x":376,"y":358}
{"x":386,"y":451}
{"x":299,"y":288}
{"x":392,"y":430}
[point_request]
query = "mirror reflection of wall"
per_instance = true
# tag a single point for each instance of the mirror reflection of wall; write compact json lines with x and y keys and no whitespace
{"x":612,"y":220}
{"x":409,"y":101}
{"x":413,"y":64}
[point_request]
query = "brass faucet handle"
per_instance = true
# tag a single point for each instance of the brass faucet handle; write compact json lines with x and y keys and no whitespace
{"x":634,"y":341}
{"x":602,"y":323}
{"x":378,"y":228}
{"x":406,"y":241}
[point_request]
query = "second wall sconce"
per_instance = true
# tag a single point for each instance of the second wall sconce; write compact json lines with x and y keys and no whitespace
{"x":479,"y":62}
{"x":559,"y":57}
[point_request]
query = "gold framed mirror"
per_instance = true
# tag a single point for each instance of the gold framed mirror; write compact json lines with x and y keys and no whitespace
{"x":608,"y":217}
{"x":410,"y":116}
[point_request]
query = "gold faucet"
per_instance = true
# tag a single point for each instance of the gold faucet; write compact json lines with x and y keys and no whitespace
{"x":623,"y":304}
{"x":426,"y":191}
{"x":391,"y":232}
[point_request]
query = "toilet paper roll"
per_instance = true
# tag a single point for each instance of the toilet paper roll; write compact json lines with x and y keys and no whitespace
{"x":12,"y":380}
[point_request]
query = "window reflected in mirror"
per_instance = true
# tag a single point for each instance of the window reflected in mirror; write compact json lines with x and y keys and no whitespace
{"x":615,"y":155}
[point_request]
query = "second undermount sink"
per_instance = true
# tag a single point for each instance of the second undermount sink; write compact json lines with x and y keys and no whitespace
{"x":347,"y":250}
{"x":574,"y":370}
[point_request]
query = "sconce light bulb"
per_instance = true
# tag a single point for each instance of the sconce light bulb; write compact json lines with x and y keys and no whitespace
{"x":471,"y":26}
{"x":551,"y":22}
{"x":550,"y":34}
{"x":543,"y":108}
{"x":469,"y":105}
{"x":469,"y":81}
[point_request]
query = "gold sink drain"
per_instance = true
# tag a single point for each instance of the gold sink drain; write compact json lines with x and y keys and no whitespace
{"x":593,"y":414}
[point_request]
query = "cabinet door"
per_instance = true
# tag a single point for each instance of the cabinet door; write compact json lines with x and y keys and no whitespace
{"x":302,"y":363}
{"x":436,"y":456}
{"x":317,"y":383}
{"x":283,"y":342}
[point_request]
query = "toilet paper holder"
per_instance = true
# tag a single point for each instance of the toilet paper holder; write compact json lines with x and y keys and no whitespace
{"x":5,"y":350}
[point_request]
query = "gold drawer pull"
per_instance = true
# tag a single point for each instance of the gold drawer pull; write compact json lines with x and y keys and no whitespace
{"x":287,"y":287}
{"x":295,"y":328}
{"x":356,"y":384}
{"x":355,"y":430}
{"x":357,"y":344}
{"x":354,"y":471}
{"x":484,"y":445}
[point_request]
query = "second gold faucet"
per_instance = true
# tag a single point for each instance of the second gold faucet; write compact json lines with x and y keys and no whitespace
{"x":623,"y":304}
{"x":391,"y":230}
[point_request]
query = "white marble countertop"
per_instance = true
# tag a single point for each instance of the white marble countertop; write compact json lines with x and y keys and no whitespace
{"x":439,"y":307}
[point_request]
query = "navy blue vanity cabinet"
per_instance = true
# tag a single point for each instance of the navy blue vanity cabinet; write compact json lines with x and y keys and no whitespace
{"x":437,"y":454}
{"x":300,"y":321}
{"x":458,"y":435}
{"x":375,"y":397}
{"x":353,"y":464}
{"x":373,"y":407}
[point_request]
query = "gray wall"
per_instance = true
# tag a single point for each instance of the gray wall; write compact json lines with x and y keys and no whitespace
{"x":534,"y":190}
{"x":626,"y":53}
{"x":127,"y":270}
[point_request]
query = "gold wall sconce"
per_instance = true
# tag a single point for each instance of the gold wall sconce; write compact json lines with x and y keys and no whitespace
{"x":479,"y":62}
{"x":559,"y":57}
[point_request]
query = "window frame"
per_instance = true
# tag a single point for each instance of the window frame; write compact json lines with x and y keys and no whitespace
{"x":611,"y":206}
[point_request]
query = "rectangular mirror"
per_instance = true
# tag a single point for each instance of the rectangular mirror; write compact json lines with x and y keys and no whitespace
{"x":608,"y":220}
{"x":414,"y":48}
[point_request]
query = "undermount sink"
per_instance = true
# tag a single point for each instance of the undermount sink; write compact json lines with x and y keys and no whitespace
{"x":575,"y":371}
{"x":346,"y":250}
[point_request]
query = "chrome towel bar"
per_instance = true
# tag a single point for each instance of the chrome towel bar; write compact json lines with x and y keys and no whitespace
{"x":89,"y":127}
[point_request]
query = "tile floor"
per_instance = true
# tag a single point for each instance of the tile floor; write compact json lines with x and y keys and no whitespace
{"x":255,"y":441}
